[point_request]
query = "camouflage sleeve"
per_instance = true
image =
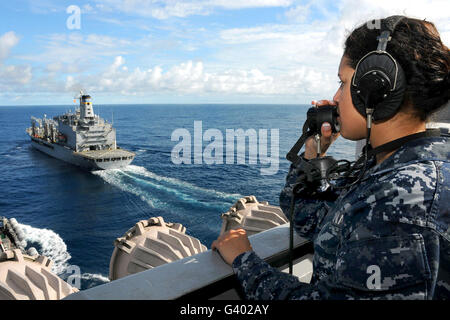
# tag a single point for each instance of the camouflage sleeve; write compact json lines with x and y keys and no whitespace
{"x":389,"y":247}
{"x":308,"y":212}
{"x":394,"y":267}
{"x":262,"y":282}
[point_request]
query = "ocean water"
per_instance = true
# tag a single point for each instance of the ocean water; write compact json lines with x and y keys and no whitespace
{"x":73,"y":216}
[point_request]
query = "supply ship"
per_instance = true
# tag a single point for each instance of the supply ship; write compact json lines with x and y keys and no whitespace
{"x":81,"y":138}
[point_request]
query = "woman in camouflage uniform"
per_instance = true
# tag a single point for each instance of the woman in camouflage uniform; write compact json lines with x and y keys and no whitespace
{"x":388,"y":236}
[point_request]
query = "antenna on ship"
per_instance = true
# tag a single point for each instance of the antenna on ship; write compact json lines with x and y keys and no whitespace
{"x":112,"y":124}
{"x":78,"y":97}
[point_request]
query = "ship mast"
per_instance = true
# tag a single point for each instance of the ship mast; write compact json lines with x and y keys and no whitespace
{"x":115,"y":138}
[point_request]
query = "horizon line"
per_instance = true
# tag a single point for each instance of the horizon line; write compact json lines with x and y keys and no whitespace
{"x":143,"y":104}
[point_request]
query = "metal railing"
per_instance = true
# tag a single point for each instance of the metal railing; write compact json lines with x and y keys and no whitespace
{"x":202,"y":276}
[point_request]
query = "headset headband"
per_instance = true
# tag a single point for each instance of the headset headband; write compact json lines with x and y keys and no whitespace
{"x":378,"y":83}
{"x":387,"y":28}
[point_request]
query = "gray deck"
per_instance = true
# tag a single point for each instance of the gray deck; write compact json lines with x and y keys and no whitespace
{"x":104,"y":154}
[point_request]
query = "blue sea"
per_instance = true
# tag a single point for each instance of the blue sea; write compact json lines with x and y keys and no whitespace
{"x":73,"y":216}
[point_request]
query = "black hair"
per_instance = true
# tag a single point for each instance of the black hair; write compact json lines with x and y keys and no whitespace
{"x":418,"y":48}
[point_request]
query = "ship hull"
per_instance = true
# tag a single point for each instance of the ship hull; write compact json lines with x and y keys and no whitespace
{"x":68,"y":155}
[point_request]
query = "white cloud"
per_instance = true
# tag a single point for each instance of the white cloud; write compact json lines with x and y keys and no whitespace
{"x":163,"y":9}
{"x":11,"y":76}
{"x":296,"y":57}
{"x":76,"y":52}
{"x":315,"y":44}
{"x":239,"y":4}
{"x":192,"y":78}
{"x":298,"y":13}
{"x":87,"y":8}
{"x":16,"y":74}
{"x":7,"y":41}
{"x":436,"y":11}
{"x":71,"y":85}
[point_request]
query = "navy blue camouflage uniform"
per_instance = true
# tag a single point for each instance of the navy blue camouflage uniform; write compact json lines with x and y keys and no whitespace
{"x":387,"y":237}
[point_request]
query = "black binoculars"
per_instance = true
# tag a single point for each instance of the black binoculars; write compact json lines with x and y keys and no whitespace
{"x":315,"y":117}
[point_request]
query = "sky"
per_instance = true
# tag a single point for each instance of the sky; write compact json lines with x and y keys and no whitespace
{"x":184,"y":52}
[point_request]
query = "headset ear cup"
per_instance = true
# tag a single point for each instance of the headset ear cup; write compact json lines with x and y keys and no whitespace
{"x":378,"y":83}
{"x":357,"y":100}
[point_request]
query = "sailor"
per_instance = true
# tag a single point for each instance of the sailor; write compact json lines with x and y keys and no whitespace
{"x":387,"y":236}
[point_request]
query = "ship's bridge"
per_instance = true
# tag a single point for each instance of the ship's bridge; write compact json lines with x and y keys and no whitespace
{"x":86,"y":109}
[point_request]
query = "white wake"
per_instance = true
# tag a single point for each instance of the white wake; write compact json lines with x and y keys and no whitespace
{"x":134,"y":179}
{"x":53,"y":247}
{"x":176,"y":182}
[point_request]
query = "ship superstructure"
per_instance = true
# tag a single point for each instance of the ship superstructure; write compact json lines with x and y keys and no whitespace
{"x":81,"y":138}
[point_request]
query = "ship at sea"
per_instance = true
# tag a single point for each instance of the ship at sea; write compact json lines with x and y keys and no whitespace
{"x":81,"y":138}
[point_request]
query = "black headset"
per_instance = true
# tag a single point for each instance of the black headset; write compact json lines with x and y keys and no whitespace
{"x":377,"y":89}
{"x":378,"y":84}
